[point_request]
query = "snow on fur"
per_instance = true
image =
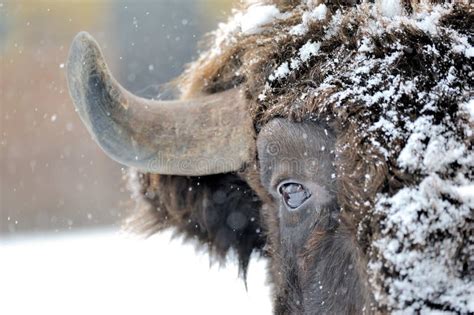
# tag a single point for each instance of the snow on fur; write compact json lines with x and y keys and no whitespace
{"x":416,"y":114}
{"x":415,"y":259}
{"x":423,"y":226}
{"x":248,"y":22}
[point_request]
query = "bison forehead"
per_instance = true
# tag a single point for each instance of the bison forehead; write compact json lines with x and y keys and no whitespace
{"x":296,"y":151}
{"x":395,"y":82}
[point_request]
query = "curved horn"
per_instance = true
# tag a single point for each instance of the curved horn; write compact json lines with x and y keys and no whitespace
{"x":206,"y":135}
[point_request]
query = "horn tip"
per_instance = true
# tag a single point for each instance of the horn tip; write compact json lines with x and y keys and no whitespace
{"x":82,"y":45}
{"x":83,"y":34}
{"x":84,"y":56}
{"x":83,"y":38}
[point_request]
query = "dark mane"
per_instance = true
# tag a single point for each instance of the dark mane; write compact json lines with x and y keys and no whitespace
{"x":220,"y":211}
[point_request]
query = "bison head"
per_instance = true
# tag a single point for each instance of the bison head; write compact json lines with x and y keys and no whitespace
{"x":334,"y":138}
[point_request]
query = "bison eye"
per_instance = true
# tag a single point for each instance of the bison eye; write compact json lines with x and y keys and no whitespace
{"x":293,"y":194}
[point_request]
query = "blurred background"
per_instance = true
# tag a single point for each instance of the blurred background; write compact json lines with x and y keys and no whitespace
{"x":61,"y":198}
{"x":53,"y":176}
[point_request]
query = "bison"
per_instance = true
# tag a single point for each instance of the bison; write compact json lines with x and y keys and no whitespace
{"x":333,"y":137}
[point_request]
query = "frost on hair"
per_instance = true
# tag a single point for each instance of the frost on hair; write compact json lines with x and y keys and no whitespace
{"x":394,"y":80}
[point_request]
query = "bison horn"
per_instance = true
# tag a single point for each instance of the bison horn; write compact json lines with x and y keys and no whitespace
{"x":206,"y":135}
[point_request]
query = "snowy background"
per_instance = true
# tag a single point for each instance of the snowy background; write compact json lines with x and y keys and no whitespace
{"x":62,"y":199}
{"x":105,"y":273}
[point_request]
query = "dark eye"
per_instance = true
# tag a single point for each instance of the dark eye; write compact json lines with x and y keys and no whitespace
{"x":293,"y":194}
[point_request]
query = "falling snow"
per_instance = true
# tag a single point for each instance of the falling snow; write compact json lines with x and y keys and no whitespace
{"x":441,"y":203}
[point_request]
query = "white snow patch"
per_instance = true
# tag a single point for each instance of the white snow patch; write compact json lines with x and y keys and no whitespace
{"x":308,"y":50}
{"x":428,"y":22}
{"x":390,"y":8}
{"x":441,"y":150}
{"x":463,"y":46}
{"x":282,"y":71}
{"x":334,"y":25}
{"x":469,"y":52}
{"x":469,"y":109}
{"x":387,"y":126}
{"x":317,"y":14}
{"x":366,"y":45}
{"x":257,"y":16}
{"x":466,"y":193}
{"x":247,"y":22}
{"x":427,"y":268}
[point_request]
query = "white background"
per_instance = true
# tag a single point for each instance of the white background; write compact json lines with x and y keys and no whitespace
{"x":108,"y":273}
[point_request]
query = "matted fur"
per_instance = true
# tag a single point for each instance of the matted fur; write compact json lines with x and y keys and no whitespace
{"x":219,"y":211}
{"x":414,"y":71}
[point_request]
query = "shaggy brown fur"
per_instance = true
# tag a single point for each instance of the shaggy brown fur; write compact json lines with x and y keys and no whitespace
{"x":198,"y":207}
{"x":220,"y":211}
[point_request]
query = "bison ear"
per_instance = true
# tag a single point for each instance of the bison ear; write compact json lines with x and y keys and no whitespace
{"x":221,"y":212}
